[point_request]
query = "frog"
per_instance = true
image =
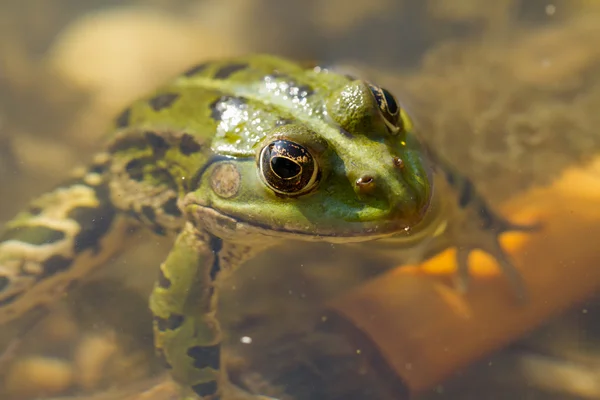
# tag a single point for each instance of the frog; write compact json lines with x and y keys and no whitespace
{"x":229,"y":159}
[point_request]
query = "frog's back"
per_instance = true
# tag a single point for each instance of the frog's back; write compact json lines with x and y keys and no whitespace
{"x":225,"y":107}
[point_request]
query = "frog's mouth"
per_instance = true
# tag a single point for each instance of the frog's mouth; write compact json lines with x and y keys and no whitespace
{"x":231,"y":227}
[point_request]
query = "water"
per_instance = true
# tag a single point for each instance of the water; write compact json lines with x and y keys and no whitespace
{"x":508,"y":91}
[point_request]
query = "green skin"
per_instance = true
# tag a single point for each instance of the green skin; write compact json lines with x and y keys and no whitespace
{"x":188,"y":161}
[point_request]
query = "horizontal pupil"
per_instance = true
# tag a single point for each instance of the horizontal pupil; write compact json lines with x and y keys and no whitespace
{"x":391,"y":102}
{"x":284,"y":167}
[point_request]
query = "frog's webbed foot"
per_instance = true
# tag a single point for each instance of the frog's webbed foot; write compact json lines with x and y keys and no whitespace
{"x":482,"y":232}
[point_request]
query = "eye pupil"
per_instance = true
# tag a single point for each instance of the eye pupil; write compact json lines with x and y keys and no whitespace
{"x":391,"y":102}
{"x":285,"y":168}
{"x":387,"y":104}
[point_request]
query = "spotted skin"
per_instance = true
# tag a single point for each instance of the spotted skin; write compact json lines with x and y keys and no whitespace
{"x":61,"y":237}
{"x":187,"y":332}
{"x":189,"y":161}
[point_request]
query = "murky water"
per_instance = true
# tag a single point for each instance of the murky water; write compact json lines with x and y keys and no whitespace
{"x":507,"y":90}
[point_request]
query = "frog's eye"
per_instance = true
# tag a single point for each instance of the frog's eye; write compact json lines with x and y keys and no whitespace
{"x":388,"y":106}
{"x":288,"y":168}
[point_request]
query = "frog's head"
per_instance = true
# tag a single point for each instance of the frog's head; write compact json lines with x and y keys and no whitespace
{"x":355,"y":172}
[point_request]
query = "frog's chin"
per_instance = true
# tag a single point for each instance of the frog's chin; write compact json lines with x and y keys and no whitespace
{"x":231,"y":227}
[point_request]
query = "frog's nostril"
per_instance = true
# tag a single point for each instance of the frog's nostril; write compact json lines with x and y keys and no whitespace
{"x":366,"y":183}
{"x":398,"y":162}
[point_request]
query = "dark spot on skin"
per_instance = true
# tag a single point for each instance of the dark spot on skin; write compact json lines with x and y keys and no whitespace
{"x":196,"y":69}
{"x":36,"y":235}
{"x":124,"y":118}
{"x":163,"y":101}
{"x":206,"y":389}
{"x":162,"y":358}
{"x":188,"y":145}
{"x":173,"y":322}
{"x":451,"y":178}
{"x":216,"y":244}
{"x":205,"y":356}
{"x":226,"y":71}
{"x":128,"y":142}
{"x":216,"y":267}
{"x":34,"y":210}
{"x":94,"y":222}
{"x":161,"y":323}
{"x":97,"y":169}
{"x":158,"y":143}
{"x":149,"y":213}
{"x":219,"y":106}
{"x":55,"y":264}
{"x":215,"y":110}
{"x":161,"y":175}
{"x":9,"y":299}
{"x":163,"y":281}
{"x":170,"y":207}
{"x":465,"y":194}
{"x":135,"y":169}
{"x":4,"y":282}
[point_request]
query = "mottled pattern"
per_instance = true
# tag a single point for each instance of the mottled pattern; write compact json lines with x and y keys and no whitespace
{"x":232,"y":157}
{"x":172,"y":322}
{"x":226,"y":71}
{"x":195,"y":70}
{"x":188,"y":145}
{"x":63,"y":237}
{"x":163,"y":101}
{"x":205,"y":356}
{"x":206,"y":389}
{"x":122,"y":121}
{"x":215,"y":244}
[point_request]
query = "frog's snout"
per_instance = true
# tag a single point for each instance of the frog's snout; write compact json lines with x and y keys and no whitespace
{"x":402,"y":202}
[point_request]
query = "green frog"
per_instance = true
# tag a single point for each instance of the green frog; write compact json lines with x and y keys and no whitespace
{"x":232,"y":157}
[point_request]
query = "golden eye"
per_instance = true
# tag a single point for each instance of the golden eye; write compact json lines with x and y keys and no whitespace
{"x":288,"y":168}
{"x":388,"y":106}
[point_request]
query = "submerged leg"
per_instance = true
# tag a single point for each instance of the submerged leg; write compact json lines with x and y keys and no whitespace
{"x":473,"y":225}
{"x":184,"y":301}
{"x":57,"y":240}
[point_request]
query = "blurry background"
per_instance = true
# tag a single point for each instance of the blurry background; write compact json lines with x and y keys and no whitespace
{"x":504,"y":89}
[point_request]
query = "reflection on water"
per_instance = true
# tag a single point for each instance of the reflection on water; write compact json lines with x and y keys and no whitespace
{"x":506,"y":90}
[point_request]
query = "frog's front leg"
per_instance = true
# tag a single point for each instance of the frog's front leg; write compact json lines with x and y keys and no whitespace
{"x":184,"y":303}
{"x":471,"y":224}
